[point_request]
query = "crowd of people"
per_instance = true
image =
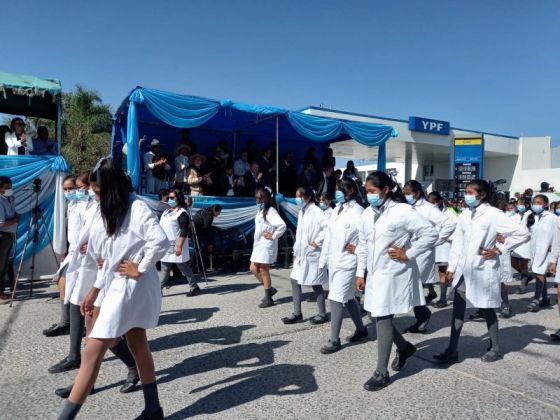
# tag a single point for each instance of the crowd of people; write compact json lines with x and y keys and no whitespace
{"x":373,"y":243}
{"x":15,"y":141}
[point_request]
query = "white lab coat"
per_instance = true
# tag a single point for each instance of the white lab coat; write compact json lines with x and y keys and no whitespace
{"x":542,"y":236}
{"x":445,"y":227}
{"x":555,"y":253}
{"x":265,"y":251}
{"x":505,"y":258}
{"x":14,"y":144}
{"x":132,"y":303}
{"x":75,"y":211}
{"x":393,"y":287}
{"x":82,"y":270}
{"x":342,"y":230}
{"x":328,"y":212}
{"x":310,"y":228}
{"x":169,"y":222}
{"x":475,"y":232}
{"x":524,"y":250}
{"x":181,"y":166}
{"x":443,"y":250}
{"x":153,"y":184}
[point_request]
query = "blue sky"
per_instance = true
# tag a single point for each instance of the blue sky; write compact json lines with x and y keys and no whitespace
{"x":486,"y":65}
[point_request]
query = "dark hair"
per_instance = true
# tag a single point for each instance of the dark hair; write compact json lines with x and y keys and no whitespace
{"x":268,"y":200}
{"x":114,"y":194}
{"x":483,"y":186}
{"x":381,"y":180}
{"x":328,"y":196}
{"x":307,"y":192}
{"x":415,"y":186}
{"x":13,"y":122}
{"x":84,"y":177}
{"x":179,"y":196}
{"x":436,"y":195}
{"x":5,"y":180}
{"x":217,"y":207}
{"x":162,"y":193}
{"x":345,"y":185}
{"x":531,"y":218}
{"x":69,"y":178}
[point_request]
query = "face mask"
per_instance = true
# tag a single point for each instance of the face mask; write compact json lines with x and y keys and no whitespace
{"x":323,"y":206}
{"x":410,"y":199}
{"x":339,"y":196}
{"x":557,"y":212}
{"x":91,"y":193}
{"x":299,"y":201}
{"x":537,"y":208}
{"x":172,"y":202}
{"x":80,"y":194}
{"x":510,"y":212}
{"x":521,"y":208}
{"x":260,"y":206}
{"x":70,"y":196}
{"x":374,"y":200}
{"x":471,"y":201}
{"x":8,"y":193}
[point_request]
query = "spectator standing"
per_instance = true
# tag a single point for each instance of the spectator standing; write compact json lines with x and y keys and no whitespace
{"x":253,"y":180}
{"x":308,"y":179}
{"x":8,"y":227}
{"x":16,"y":140}
{"x":327,"y":183}
{"x":181,"y":167}
{"x":288,"y":175}
{"x":198,"y":181}
{"x":156,"y":167}
{"x":42,"y":145}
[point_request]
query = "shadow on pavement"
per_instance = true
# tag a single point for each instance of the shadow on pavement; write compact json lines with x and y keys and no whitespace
{"x":276,"y":380}
{"x":186,"y":316}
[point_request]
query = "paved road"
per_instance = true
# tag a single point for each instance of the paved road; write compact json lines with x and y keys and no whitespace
{"x":217,"y":355}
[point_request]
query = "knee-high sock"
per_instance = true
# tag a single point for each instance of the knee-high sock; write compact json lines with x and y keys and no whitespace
{"x":353,"y":309}
{"x":443,"y":292}
{"x":385,"y":338}
{"x":545,"y":290}
{"x":77,"y":323}
{"x":422,"y":313}
{"x":430,"y":288}
{"x":457,"y":319}
{"x":122,"y":352}
{"x":398,"y":339}
{"x":296,"y":293}
{"x":69,"y":411}
{"x":336,"y":320}
{"x":539,"y":286}
{"x":505,"y":296}
{"x":492,"y":324}
{"x":151,"y":397}
{"x":64,"y":314}
{"x":320,"y":295}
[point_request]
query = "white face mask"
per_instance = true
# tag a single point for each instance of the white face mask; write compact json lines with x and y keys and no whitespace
{"x":8,"y":193}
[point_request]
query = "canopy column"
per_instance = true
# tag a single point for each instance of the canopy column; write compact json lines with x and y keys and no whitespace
{"x":277,"y":159}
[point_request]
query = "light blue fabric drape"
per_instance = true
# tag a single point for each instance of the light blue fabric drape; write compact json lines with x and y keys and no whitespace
{"x":132,"y":147}
{"x":315,"y":128}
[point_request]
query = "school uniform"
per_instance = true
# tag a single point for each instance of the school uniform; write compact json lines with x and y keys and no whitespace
{"x":393,"y":287}
{"x":443,"y":250}
{"x":342,"y":230}
{"x":265,"y":251}
{"x":132,"y":303}
{"x":555,"y":251}
{"x":523,"y":251}
{"x":169,"y":222}
{"x":505,"y":258}
{"x":74,"y":221}
{"x":542,"y":236}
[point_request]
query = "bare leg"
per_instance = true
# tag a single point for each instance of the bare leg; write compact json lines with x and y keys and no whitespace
{"x":265,"y":276}
{"x":256,"y":271}
{"x":62,"y":288}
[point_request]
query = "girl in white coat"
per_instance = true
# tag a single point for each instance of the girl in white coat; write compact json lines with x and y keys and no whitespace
{"x":338,"y":255}
{"x":521,"y":256}
{"x":554,"y":256}
{"x":392,"y":237}
{"x":505,"y":266}
{"x":131,"y":289}
{"x":269,"y":226}
{"x":326,"y":204}
{"x":307,"y":251}
{"x":415,"y":196}
{"x":475,"y":265}
{"x":542,"y":225}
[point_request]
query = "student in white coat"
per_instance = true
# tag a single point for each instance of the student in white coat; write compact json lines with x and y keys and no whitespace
{"x":73,"y":224}
{"x":175,"y":224}
{"x":131,"y":290}
{"x":553,"y":268}
{"x":542,"y":225}
{"x":392,"y":237}
{"x":475,"y":266}
{"x":269,"y":226}
{"x":80,"y":278}
{"x":339,"y":256}
{"x":310,"y":235}
{"x":426,"y":262}
{"x":506,"y":310}
{"x":521,"y":256}
{"x":326,"y":203}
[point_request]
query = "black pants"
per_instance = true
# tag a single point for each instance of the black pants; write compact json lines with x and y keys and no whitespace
{"x":6,"y":262}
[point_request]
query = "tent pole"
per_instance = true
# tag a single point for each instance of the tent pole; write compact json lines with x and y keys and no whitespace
{"x":58,"y":125}
{"x":277,"y":159}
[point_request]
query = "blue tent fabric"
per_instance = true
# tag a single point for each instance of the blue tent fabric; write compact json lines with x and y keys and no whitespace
{"x":227,"y":116}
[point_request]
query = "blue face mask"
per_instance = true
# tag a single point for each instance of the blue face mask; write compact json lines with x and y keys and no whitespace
{"x":70,"y":196}
{"x":410,"y":199}
{"x":299,"y":201}
{"x":471,"y":201}
{"x":339,"y":196}
{"x":91,"y":193}
{"x":557,"y":212}
{"x":323,"y":206}
{"x":374,"y":200}
{"x":260,"y":206}
{"x":521,"y":208}
{"x":172,"y":202}
{"x":537,"y":208}
{"x":80,"y":194}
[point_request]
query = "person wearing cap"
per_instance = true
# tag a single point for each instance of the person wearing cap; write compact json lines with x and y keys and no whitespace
{"x":156,"y":167}
{"x":197,"y":180}
{"x":182,"y":166}
{"x":17,"y":141}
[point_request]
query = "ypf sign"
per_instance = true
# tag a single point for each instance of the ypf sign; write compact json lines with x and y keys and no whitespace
{"x":426,"y":125}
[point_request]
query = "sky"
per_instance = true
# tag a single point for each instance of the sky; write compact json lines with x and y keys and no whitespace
{"x":485,"y":65}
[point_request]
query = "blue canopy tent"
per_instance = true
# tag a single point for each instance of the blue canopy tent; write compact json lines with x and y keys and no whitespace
{"x":163,"y":115}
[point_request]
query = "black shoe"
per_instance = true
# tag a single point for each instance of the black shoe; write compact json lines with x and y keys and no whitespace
{"x":555,"y":336}
{"x":158,"y":415}
{"x":377,"y":382}
{"x":292,"y":319}
{"x":534,"y":306}
{"x":431,"y":296}
{"x":266,"y":303}
{"x":64,"y":366}
{"x":331,"y":347}
{"x":477,"y":316}
{"x":55,"y":330}
{"x":358,"y":336}
{"x":506,"y":312}
{"x":132,"y":380}
{"x":440,"y":304}
{"x":544,"y":303}
{"x":65,"y":392}
{"x":492,"y":356}
{"x":273,"y":291}
{"x":447,"y":358}
{"x":193,"y":292}
{"x":400,"y":359}
{"x":318,"y":319}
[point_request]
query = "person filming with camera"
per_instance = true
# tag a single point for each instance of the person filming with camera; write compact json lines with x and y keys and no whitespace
{"x":9,"y":220}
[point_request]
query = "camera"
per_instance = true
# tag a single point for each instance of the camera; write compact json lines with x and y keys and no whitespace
{"x":37,"y":184}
